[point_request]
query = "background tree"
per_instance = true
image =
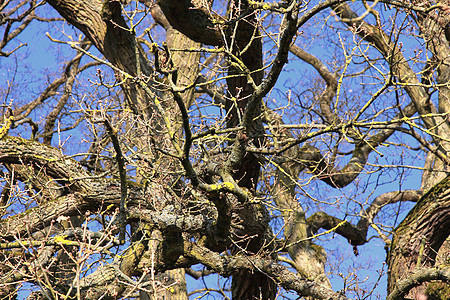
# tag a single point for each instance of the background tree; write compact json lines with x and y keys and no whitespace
{"x":258,"y":141}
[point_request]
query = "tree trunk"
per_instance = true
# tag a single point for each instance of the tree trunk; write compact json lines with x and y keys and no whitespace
{"x":187,"y":63}
{"x":99,"y":23}
{"x":247,"y":47}
{"x":419,"y":237}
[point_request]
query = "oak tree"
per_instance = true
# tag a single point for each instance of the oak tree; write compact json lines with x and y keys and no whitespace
{"x":272,"y":143}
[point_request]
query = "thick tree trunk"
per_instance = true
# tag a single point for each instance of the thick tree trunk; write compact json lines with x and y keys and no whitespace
{"x":247,"y":47}
{"x":187,"y":63}
{"x":99,"y":22}
{"x":419,"y":237}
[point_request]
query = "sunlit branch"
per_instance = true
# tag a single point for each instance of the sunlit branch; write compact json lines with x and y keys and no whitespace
{"x":421,"y":275}
{"x":330,"y":91}
{"x":228,"y":265}
{"x":122,"y":175}
{"x":398,"y":63}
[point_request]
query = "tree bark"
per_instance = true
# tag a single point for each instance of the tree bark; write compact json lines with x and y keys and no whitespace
{"x":420,"y":235}
{"x":104,"y":26}
{"x":244,"y":41}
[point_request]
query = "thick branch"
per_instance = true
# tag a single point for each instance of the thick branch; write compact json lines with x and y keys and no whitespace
{"x":100,"y":195}
{"x":381,"y":201}
{"x":308,"y":257}
{"x":104,"y":26}
{"x":66,"y":171}
{"x":420,"y":235}
{"x":230,"y":265}
{"x":329,"y":93}
{"x":344,"y":228}
{"x":419,"y":276}
{"x":399,"y":66}
{"x":191,"y":21}
{"x":102,"y":284}
{"x":311,"y":157}
{"x":357,"y":235}
{"x":87,"y":193}
{"x":171,"y":222}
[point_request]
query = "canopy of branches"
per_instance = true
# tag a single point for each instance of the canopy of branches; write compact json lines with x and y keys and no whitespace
{"x":272,"y":149}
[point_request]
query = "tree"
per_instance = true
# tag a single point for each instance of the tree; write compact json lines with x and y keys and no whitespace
{"x":254,"y":140}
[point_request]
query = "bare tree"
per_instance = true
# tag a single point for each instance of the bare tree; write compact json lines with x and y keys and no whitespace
{"x":251,"y":140}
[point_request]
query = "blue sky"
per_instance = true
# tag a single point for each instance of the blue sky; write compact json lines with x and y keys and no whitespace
{"x":42,"y":57}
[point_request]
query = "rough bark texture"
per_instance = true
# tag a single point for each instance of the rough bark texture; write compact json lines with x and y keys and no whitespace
{"x":419,"y":237}
{"x":187,"y":63}
{"x":191,"y":21}
{"x":104,"y":26}
{"x":246,"y":47}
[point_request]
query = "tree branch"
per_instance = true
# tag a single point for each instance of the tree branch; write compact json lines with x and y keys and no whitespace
{"x":230,"y":265}
{"x":420,"y":275}
{"x":192,"y":21}
{"x":357,"y":235}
